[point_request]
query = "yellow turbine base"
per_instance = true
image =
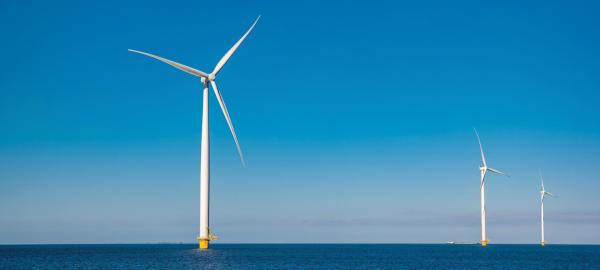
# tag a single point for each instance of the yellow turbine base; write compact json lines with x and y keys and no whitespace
{"x":203,"y":244}
{"x":483,"y":243}
{"x":543,"y":243}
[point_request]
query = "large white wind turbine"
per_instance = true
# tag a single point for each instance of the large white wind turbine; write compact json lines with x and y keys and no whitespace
{"x":543,"y":194}
{"x":206,"y":79}
{"x":484,"y":169}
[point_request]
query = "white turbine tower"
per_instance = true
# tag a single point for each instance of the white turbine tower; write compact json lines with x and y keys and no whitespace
{"x":206,"y":79}
{"x":484,"y":169}
{"x":543,"y":194}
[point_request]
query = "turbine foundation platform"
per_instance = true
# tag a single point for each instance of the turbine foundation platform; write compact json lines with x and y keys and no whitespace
{"x":483,"y":243}
{"x":203,"y":243}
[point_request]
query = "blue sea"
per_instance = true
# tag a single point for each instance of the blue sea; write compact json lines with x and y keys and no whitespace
{"x":299,"y":256}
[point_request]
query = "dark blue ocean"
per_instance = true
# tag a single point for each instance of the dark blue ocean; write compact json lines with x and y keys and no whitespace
{"x":299,"y":256}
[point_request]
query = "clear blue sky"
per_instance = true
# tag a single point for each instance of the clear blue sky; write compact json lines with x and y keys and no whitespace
{"x":356,"y":121}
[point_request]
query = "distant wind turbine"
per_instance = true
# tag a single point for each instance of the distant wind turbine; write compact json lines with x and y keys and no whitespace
{"x":484,"y":169}
{"x":206,"y":79}
{"x":543,"y":194}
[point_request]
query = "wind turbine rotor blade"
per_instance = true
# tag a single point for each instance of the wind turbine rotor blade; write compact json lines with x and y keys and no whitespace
{"x":549,"y":194}
{"x":542,"y":180}
{"x":498,"y":172}
{"x":480,"y":148}
{"x":185,"y":68}
{"x":543,"y":189}
{"x":226,"y":114}
{"x":231,"y":51}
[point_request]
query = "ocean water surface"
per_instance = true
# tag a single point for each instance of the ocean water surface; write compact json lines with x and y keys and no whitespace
{"x":299,"y":256}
